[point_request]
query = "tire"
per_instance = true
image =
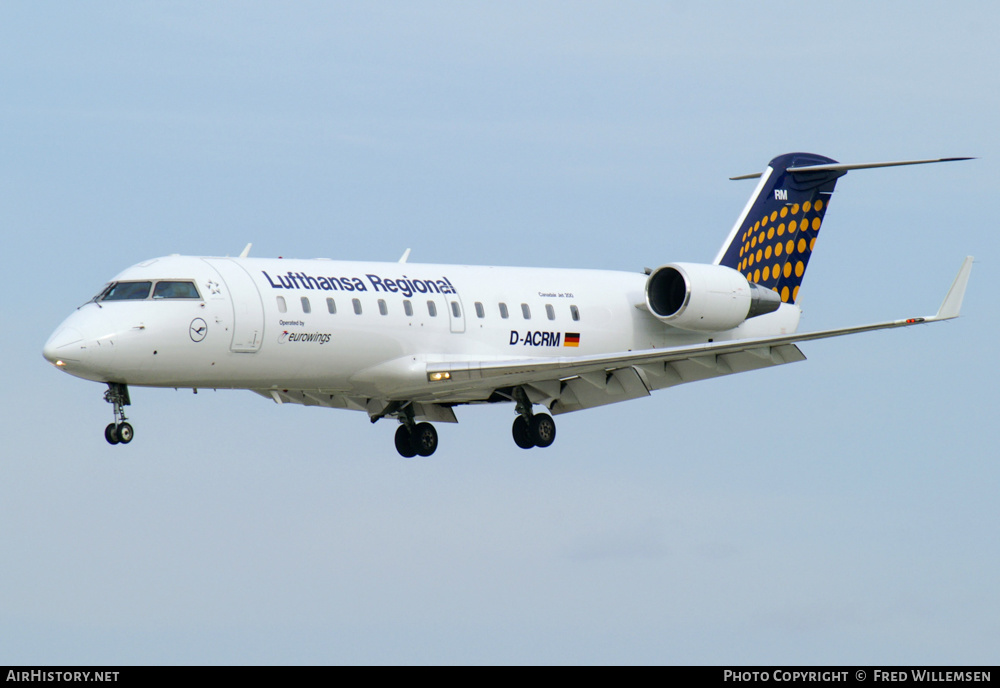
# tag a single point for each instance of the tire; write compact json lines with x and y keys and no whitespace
{"x":404,"y":442}
{"x":125,"y":433}
{"x":543,"y":429}
{"x":425,"y":439}
{"x":111,"y":434}
{"x":522,"y":433}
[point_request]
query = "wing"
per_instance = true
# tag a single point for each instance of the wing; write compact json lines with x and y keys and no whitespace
{"x":571,"y":383}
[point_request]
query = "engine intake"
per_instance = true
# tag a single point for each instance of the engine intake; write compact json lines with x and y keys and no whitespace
{"x":705,"y":298}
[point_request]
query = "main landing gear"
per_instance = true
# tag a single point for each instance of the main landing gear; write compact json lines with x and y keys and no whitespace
{"x":531,"y":429}
{"x":420,"y":439}
{"x":412,"y":438}
{"x":119,"y":431}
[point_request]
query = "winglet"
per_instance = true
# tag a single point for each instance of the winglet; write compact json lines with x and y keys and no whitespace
{"x":405,"y":256}
{"x":246,"y":251}
{"x":952,"y":304}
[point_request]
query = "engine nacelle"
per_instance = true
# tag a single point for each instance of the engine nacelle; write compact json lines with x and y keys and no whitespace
{"x":705,"y":298}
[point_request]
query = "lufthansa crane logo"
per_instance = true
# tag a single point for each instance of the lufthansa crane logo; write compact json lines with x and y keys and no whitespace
{"x":198,"y":329}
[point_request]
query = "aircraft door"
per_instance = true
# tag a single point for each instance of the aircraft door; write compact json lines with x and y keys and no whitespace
{"x":456,"y":313}
{"x":248,"y":309}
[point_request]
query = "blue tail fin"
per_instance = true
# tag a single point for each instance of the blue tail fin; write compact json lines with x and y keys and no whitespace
{"x":774,"y":237}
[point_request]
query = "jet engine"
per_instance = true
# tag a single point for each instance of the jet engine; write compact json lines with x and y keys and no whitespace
{"x":705,"y":298}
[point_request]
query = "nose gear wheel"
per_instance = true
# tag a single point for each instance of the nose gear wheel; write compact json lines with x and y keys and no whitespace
{"x":119,"y":431}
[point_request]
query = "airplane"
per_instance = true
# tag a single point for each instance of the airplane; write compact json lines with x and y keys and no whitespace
{"x":414,"y":341}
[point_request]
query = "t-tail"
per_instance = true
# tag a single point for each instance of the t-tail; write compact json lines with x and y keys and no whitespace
{"x":774,"y":237}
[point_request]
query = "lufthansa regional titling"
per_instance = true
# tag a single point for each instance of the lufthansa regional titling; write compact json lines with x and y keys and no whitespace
{"x":400,"y":285}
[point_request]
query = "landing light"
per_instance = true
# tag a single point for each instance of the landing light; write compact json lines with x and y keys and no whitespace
{"x":60,"y":364}
{"x":438,"y":377}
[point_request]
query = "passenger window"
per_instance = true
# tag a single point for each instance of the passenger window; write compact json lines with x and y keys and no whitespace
{"x":408,"y":307}
{"x":503,"y":311}
{"x":357,"y":306}
{"x":382,"y":308}
{"x":575,"y":312}
{"x":480,"y":311}
{"x":282,"y":308}
{"x":456,"y":310}
{"x":175,"y":290}
{"x":331,"y":306}
{"x":128,"y":291}
{"x":432,"y":309}
{"x":306,"y":306}
{"x":525,"y":311}
{"x":550,"y":311}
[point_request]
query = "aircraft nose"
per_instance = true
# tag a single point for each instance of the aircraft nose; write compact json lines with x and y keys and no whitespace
{"x":84,"y":343}
{"x":64,"y":344}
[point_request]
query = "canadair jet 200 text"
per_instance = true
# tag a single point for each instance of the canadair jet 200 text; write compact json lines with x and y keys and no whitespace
{"x":413,"y":342}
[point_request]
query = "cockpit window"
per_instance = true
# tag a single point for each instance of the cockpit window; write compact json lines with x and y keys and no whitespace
{"x":175,"y":290}
{"x":104,"y":290}
{"x":138,"y":291}
{"x":127,"y":291}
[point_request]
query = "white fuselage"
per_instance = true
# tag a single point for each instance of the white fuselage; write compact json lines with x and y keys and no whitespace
{"x":266,"y":324}
{"x":413,"y":341}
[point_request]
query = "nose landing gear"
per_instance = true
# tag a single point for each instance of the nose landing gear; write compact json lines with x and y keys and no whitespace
{"x":120,"y":431}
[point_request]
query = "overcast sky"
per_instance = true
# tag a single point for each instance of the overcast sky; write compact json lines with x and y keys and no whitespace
{"x":839,"y":510}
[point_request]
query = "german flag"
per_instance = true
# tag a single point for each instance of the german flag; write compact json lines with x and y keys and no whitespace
{"x":572,"y":339}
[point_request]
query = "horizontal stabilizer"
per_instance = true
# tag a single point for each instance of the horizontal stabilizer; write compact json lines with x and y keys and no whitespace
{"x":845,"y":167}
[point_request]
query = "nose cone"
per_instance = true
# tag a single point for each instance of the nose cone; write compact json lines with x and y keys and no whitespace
{"x":65,"y":344}
{"x":84,"y":344}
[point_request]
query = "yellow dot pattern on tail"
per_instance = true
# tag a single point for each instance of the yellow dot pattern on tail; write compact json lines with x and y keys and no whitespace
{"x":777,"y":236}
{"x":777,"y":259}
